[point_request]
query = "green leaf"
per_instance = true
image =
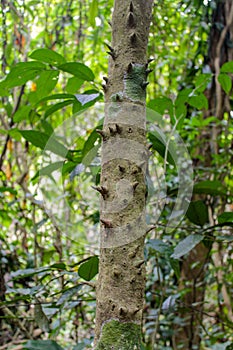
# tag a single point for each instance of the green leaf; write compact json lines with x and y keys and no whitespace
{"x":161,"y":105}
{"x":44,"y":84}
{"x":225,"y":82}
{"x":22,"y":114}
{"x":226,"y":217}
{"x":79,"y":70}
{"x":57,"y":106}
{"x":159,"y":145}
{"x":36,"y":138}
{"x":42,"y":345}
{"x":175,"y":265}
{"x":198,"y":101}
{"x":93,"y":12}
{"x":89,"y":268}
{"x":227,"y":67}
{"x":57,"y":97}
{"x":202,"y":81}
{"x":73,"y":85}
{"x":68,"y":294}
{"x":159,"y":246}
{"x":48,"y":170}
{"x":186,"y":245}
{"x":210,"y":187}
{"x":47,"y":56}
{"x":44,"y":142}
{"x":21,"y":73}
{"x":198,"y":213}
{"x":40,"y":317}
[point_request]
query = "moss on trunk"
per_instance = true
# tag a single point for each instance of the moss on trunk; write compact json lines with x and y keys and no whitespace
{"x":117,"y":335}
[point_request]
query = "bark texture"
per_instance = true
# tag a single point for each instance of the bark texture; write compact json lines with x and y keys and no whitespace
{"x":194,"y":267}
{"x":120,"y":287}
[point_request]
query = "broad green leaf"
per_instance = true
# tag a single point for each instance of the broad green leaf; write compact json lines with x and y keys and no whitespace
{"x":57,"y":97}
{"x":68,"y":294}
{"x":68,"y":167}
{"x":44,"y":142}
{"x":198,"y":213}
{"x":21,"y":73}
{"x":225,"y":82}
{"x":89,"y":268}
{"x":183,"y":96}
{"x":90,"y":143}
{"x":47,"y":127}
{"x":47,"y":56}
{"x":48,"y":170}
{"x":44,"y":84}
{"x":28,"y":272}
{"x":226,"y":217}
{"x":57,"y":106}
{"x":37,"y":138}
{"x":73,"y":85}
{"x":175,"y":265}
{"x":227,"y":67}
{"x":198,"y":101}
{"x":162,"y":105}
{"x":210,"y":187}
{"x":159,"y":145}
{"x":42,"y":345}
{"x":40,"y":317}
{"x":159,"y":246}
{"x":22,"y":114}
{"x":202,"y":81}
{"x":79,"y":70}
{"x":186,"y":245}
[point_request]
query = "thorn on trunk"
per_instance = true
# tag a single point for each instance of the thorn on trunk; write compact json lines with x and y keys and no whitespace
{"x":112,"y":54}
{"x":133,"y":38}
{"x":109,"y":47}
{"x":104,"y":87}
{"x":112,"y":130}
{"x":118,"y":98}
{"x":118,"y":129}
{"x":148,"y":71}
{"x":150,"y":60}
{"x":130,"y":68}
{"x":121,"y":168}
{"x":131,"y":7}
{"x":149,"y":146}
{"x":131,"y":20}
{"x":105,"y":79}
{"x":135,"y":185}
{"x":123,"y":310}
{"x":102,"y":190}
{"x":110,"y":23}
{"x":106,"y":223}
{"x":102,"y":133}
{"x":144,"y":84}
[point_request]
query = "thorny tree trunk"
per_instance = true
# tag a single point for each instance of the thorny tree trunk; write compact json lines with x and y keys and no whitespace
{"x":120,"y":287}
{"x":194,"y":267}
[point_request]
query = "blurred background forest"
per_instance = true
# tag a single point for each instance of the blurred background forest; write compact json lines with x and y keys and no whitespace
{"x":53,"y":60}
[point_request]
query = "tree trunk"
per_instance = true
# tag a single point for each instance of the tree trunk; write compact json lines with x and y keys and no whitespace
{"x":193,"y":275}
{"x":120,"y":286}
